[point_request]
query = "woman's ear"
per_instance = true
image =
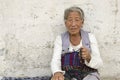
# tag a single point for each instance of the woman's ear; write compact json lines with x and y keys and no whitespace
{"x":65,"y":22}
{"x":82,"y":24}
{"x":82,"y":21}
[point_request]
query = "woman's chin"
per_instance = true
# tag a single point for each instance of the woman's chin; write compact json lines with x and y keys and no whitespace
{"x":73,"y":33}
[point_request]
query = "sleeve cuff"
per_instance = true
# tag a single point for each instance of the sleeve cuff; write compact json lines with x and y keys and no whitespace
{"x":63,"y":72}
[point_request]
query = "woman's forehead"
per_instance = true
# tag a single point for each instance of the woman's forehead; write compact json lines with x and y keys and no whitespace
{"x":74,"y":14}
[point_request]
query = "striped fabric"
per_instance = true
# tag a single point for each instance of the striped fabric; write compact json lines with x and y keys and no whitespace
{"x":71,"y":60}
{"x":74,"y":66}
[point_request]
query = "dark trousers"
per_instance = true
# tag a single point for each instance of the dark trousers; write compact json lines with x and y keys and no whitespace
{"x":75,"y":74}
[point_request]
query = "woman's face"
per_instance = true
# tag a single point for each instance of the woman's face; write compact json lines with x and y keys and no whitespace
{"x":74,"y":23}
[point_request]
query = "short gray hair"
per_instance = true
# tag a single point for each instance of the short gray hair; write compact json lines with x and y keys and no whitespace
{"x":73,"y":9}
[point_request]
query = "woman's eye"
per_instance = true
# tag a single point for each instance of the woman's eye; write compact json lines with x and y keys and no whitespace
{"x":69,"y":19}
{"x":77,"y":20}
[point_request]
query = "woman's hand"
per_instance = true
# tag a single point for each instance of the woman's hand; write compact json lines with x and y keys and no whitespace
{"x":85,"y":54}
{"x":58,"y":76}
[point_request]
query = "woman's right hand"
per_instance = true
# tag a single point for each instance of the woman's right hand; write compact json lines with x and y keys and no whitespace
{"x":58,"y":76}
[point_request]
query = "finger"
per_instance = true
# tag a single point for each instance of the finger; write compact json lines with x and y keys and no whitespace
{"x":53,"y":78}
{"x":84,"y":53}
{"x":61,"y":78}
{"x":83,"y":49}
{"x":56,"y":78}
{"x":84,"y":57}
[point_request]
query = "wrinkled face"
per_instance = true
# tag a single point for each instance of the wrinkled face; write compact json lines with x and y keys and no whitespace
{"x":74,"y":23}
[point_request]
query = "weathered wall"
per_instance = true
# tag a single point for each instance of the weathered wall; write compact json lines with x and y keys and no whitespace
{"x":29,"y":27}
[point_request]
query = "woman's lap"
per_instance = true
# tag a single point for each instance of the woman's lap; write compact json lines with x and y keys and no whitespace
{"x":92,"y":76}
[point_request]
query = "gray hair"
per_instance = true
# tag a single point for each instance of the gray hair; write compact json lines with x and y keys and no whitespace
{"x":73,"y":9}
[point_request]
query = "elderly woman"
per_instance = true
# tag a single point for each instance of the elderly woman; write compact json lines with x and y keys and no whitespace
{"x":76,"y":54}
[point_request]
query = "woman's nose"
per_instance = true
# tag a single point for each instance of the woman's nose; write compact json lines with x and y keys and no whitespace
{"x":73,"y":23}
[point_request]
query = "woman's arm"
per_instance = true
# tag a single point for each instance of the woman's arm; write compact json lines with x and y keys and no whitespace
{"x":96,"y":61}
{"x":56,"y":59}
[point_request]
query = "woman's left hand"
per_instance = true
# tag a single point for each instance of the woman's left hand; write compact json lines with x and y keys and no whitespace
{"x":85,"y":54}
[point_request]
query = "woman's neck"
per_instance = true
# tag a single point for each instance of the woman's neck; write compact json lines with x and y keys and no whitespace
{"x":75,"y":39}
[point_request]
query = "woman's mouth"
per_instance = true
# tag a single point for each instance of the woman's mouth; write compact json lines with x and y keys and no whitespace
{"x":73,"y":29}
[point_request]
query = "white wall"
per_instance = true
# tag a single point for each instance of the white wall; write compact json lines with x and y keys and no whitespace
{"x":28,"y":29}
